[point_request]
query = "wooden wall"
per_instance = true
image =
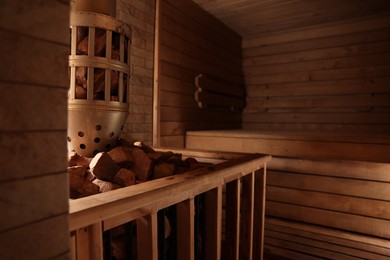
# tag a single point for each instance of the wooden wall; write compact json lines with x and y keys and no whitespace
{"x":192,"y":42}
{"x":33,"y":120}
{"x":140,"y":15}
{"x":329,"y":77}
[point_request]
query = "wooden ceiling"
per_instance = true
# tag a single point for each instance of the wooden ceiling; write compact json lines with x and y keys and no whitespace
{"x":256,"y":17}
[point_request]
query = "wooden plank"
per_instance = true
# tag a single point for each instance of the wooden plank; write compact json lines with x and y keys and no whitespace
{"x":73,"y":248}
{"x":376,"y":22}
{"x":232,"y":226}
{"x":157,"y":74}
{"x":19,"y":197}
{"x":336,"y":185}
{"x":325,"y":53}
{"x":187,"y":14}
{"x":293,"y":148}
{"x":207,"y":99}
{"x":334,"y":236}
{"x":250,"y":19}
{"x":44,"y":239}
{"x":344,"y":221}
{"x":347,"y":73}
{"x":289,"y":254}
{"x":178,"y":100}
{"x":259,"y":213}
{"x":177,"y":141}
{"x":203,"y":19}
{"x":170,"y":37}
{"x":318,"y":88}
{"x":296,"y":135}
{"x":95,"y":233}
{"x":196,"y":115}
{"x":345,"y":169}
{"x":196,"y":37}
{"x":185,"y":230}
{"x":176,"y":85}
{"x":173,"y":70}
{"x":83,"y":244}
{"x":123,"y":218}
{"x":318,"y":127}
{"x":327,"y":63}
{"x":334,"y":202}
{"x":18,"y":157}
{"x":170,"y":54}
{"x":27,"y":97}
{"x":247,"y":216}
{"x":313,"y":117}
{"x":343,"y":101}
{"x":308,"y":247}
{"x":147,"y":237}
{"x":49,"y":20}
{"x":45,"y":66}
{"x":211,"y":84}
{"x":213,"y":224}
{"x":364,"y":37}
{"x":180,"y":128}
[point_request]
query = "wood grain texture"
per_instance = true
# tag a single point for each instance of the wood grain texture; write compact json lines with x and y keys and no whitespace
{"x":194,"y":42}
{"x":329,"y":78}
{"x":336,"y":205}
{"x":250,"y":17}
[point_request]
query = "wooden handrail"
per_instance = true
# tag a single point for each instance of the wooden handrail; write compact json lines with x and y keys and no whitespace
{"x":108,"y":210}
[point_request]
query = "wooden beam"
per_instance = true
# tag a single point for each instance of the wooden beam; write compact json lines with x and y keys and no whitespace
{"x":213,"y":229}
{"x":147,"y":237}
{"x":185,"y":230}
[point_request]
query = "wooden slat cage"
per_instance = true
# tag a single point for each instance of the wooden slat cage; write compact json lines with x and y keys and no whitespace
{"x":204,"y":228}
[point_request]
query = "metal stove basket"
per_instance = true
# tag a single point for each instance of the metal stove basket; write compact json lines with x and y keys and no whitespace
{"x":99,"y":80}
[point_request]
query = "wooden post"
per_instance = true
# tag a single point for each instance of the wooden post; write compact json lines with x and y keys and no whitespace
{"x":147,"y":237}
{"x":73,"y":249}
{"x":156,"y":86}
{"x":247,"y":209}
{"x":259,"y":213}
{"x":185,"y":230}
{"x":89,"y":242}
{"x":96,"y":241}
{"x":213,"y":212}
{"x":232,"y":225}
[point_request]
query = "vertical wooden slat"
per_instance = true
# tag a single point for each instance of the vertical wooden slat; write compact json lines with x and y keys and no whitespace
{"x":213,"y":213}
{"x":156,"y":88}
{"x":73,"y":249}
{"x":95,"y":233}
{"x":82,"y":244}
{"x":185,"y":230}
{"x":232,"y":220}
{"x":247,"y":210}
{"x":147,"y":237}
{"x":259,"y":213}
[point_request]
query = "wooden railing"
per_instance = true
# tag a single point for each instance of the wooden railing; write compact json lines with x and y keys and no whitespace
{"x":234,"y":231}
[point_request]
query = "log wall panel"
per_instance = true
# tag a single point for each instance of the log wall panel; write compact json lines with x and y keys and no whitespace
{"x":328,"y":77}
{"x":33,"y":119}
{"x":192,"y":42}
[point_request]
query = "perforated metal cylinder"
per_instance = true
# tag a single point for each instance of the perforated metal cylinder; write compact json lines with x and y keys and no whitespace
{"x":99,"y":79}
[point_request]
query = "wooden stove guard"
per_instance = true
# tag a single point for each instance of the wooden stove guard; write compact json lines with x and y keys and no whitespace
{"x":245,"y":179}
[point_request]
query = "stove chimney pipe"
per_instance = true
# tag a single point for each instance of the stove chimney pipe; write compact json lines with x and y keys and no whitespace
{"x":107,"y":7}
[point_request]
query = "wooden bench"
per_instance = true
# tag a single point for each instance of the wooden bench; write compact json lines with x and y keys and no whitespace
{"x":327,"y":196}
